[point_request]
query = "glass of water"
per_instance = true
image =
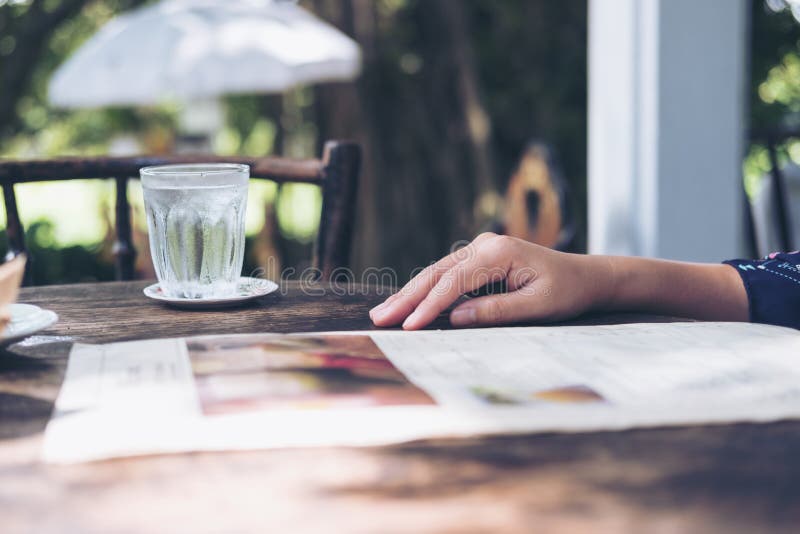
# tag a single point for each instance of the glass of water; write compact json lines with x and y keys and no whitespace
{"x":195,"y":215}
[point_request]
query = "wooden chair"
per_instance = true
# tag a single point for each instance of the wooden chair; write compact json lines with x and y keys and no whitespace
{"x":336,"y":173}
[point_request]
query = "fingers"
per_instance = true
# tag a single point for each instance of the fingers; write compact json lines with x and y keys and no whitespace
{"x":382,"y":314}
{"x":491,"y":263}
{"x":398,"y":306}
{"x":521,"y":305}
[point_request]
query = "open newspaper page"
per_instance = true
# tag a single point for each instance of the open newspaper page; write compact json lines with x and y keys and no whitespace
{"x":369,"y":388}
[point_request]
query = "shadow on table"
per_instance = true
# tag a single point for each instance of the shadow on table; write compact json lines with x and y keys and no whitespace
{"x":21,"y":415}
{"x":14,"y":362}
{"x":748,"y":471}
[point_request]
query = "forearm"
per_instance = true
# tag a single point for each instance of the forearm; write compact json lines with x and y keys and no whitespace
{"x":546,"y":285}
{"x":691,"y":290}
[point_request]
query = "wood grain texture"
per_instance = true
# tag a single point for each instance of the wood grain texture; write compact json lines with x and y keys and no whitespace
{"x":734,"y":478}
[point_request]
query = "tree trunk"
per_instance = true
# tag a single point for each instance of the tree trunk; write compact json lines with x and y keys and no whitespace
{"x":424,"y":132}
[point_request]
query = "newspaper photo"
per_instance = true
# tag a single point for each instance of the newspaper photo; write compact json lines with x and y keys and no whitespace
{"x":234,"y":392}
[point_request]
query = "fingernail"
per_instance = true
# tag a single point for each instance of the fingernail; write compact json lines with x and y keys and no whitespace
{"x":378,"y":308}
{"x":379,"y":316}
{"x":463,"y":317}
{"x":410,"y":320}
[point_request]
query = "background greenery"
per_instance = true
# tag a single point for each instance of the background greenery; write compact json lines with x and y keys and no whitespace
{"x":451,"y":93}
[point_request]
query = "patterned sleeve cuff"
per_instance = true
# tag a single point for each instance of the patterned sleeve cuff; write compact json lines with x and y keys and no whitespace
{"x":773,"y":288}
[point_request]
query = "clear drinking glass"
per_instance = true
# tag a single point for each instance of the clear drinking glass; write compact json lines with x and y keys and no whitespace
{"x":195,"y":215}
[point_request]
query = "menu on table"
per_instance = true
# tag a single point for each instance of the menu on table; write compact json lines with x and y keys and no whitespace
{"x":234,"y":392}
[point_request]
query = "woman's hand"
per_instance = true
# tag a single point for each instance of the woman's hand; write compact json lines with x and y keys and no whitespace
{"x":547,"y":285}
{"x":542,"y":285}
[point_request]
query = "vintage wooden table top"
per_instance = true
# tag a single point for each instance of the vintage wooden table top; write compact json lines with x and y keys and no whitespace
{"x":735,"y":478}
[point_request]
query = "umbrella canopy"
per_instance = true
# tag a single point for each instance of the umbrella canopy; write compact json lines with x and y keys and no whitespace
{"x":190,"y":49}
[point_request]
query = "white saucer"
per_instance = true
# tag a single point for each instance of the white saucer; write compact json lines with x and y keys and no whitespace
{"x":26,"y":319}
{"x":247,"y":289}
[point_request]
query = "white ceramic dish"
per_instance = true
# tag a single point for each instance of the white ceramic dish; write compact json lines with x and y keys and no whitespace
{"x":26,"y":319}
{"x":247,"y":289}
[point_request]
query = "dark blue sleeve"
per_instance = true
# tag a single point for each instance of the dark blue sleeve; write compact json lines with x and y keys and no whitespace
{"x":773,"y":288}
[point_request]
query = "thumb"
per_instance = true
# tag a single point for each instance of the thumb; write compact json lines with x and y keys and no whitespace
{"x":523,"y":304}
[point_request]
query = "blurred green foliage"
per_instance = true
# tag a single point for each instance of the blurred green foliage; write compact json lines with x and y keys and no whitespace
{"x":774,"y":90}
{"x":38,"y":35}
{"x":775,"y":42}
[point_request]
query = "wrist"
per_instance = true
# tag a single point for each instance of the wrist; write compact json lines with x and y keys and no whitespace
{"x":628,"y":283}
{"x":603,"y":274}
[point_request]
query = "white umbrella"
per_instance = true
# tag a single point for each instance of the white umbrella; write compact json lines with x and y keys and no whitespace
{"x":198,"y":49}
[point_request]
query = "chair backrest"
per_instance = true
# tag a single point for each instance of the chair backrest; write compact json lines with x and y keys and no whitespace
{"x":336,"y":173}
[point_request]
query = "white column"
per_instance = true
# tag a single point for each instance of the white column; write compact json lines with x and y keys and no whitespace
{"x":666,"y":125}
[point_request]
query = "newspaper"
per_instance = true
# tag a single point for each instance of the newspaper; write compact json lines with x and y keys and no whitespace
{"x":234,"y":392}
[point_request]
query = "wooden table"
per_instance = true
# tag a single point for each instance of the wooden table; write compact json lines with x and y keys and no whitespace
{"x":736,"y":478}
